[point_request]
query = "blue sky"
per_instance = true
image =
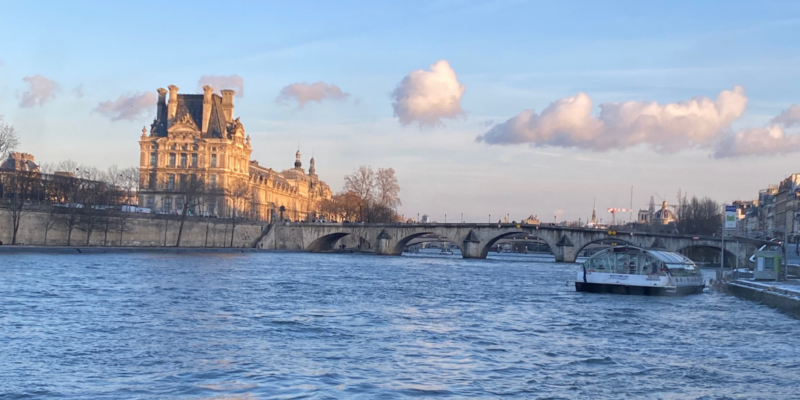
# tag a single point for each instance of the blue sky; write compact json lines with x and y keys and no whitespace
{"x":509,"y":56}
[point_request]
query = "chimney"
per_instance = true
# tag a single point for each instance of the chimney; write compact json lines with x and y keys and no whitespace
{"x":208,"y":91}
{"x":227,"y":104}
{"x":172,"y":108}
{"x":161,"y":114}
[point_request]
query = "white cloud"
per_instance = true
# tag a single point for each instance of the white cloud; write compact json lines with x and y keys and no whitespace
{"x":568,"y":122}
{"x":40,"y":91}
{"x":303,"y":93}
{"x":768,"y":141}
{"x":428,"y":97}
{"x":789,"y":116}
{"x":220,"y":82}
{"x":128,"y":107}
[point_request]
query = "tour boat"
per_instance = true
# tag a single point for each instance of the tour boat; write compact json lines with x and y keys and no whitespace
{"x":634,"y":270}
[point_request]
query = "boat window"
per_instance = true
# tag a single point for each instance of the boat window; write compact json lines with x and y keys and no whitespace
{"x":681,"y":270}
{"x":599,"y":262}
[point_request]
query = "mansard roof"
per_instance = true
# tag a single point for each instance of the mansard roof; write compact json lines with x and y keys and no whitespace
{"x":190,"y":109}
{"x":216,"y":123}
{"x":191,"y":104}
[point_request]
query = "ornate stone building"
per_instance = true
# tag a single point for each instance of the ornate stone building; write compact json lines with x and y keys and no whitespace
{"x":197,"y":152}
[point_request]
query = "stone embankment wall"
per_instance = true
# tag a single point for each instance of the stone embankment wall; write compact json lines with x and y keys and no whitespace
{"x":769,"y":296}
{"x":126,"y":229}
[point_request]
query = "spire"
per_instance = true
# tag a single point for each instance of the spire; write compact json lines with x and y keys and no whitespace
{"x":594,"y":212}
{"x":297,"y":163}
{"x":311,"y":169}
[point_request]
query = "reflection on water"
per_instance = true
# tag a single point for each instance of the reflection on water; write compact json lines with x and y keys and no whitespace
{"x":337,"y":326}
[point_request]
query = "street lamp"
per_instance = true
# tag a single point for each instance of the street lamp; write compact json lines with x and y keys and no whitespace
{"x":462,"y":218}
{"x":445,"y":218}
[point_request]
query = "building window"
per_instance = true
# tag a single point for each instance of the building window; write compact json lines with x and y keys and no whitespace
{"x":171,"y":181}
{"x":193,"y":179}
{"x":213,"y":181}
{"x":173,"y":147}
{"x":183,"y":147}
{"x":171,"y":159}
{"x":152,"y":183}
{"x":194,"y":147}
{"x":179,"y":203}
{"x":183,"y":160}
{"x":194,"y":159}
{"x":150,"y":200}
{"x":213,"y":161}
{"x":183,"y":181}
{"x":211,"y":208}
{"x":213,"y":149}
{"x":152,"y":147}
{"x":153,"y":159}
{"x":167,"y":203}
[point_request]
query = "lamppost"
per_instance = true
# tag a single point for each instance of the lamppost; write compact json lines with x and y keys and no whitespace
{"x":417,"y":217}
{"x":490,"y":218}
{"x":462,"y":218}
{"x":445,"y":218}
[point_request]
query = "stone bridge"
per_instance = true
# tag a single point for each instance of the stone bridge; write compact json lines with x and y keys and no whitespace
{"x":475,"y":240}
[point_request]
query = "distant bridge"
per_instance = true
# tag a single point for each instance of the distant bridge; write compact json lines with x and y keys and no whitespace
{"x":475,"y":240}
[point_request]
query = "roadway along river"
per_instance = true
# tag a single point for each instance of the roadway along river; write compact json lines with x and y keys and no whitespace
{"x":343,"y":326}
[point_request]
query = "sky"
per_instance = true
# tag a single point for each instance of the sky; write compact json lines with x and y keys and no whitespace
{"x":483,"y":108}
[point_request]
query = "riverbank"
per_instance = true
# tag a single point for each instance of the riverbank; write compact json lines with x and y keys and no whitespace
{"x":783,"y":296}
{"x":114,"y":250}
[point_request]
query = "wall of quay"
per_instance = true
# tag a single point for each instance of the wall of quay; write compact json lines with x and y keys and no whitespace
{"x":771,"y":298}
{"x":114,"y":228}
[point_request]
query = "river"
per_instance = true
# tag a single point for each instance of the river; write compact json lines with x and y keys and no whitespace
{"x":296,"y":325}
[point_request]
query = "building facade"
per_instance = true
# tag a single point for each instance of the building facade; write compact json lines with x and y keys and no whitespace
{"x":197,"y":154}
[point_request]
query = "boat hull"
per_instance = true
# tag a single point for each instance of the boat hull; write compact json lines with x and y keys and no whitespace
{"x":591,"y":287}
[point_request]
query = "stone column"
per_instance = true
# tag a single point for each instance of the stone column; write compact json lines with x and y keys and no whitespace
{"x":472,"y":246}
{"x":565,"y":250}
{"x":383,"y":246}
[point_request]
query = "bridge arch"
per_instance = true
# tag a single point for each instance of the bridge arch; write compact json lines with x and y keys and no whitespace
{"x":327,"y":242}
{"x":730,"y":257}
{"x":403,"y":242}
{"x":491,"y":242}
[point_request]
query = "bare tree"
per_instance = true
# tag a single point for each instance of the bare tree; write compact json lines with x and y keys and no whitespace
{"x":378,"y":193}
{"x":361,"y":182}
{"x":8,"y":138}
{"x":68,"y":166}
{"x":388,"y":190}
{"x":52,"y":219}
{"x":239,"y":193}
{"x":192,"y":195}
{"x":130,"y":180}
{"x":20,"y":185}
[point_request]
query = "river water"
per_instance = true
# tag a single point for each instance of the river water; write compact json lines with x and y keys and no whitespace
{"x":292,"y":325}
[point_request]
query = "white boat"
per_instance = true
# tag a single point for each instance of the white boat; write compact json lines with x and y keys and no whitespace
{"x":634,"y":270}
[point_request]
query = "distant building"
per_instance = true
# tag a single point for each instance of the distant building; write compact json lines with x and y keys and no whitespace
{"x":19,"y":162}
{"x":786,"y":201}
{"x":195,"y":137}
{"x":532,"y":220}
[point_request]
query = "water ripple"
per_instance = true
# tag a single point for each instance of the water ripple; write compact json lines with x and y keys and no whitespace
{"x":275,"y":325}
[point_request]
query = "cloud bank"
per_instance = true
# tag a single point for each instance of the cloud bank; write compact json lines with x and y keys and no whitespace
{"x":666,"y":128}
{"x":220,"y":82}
{"x":428,"y":97}
{"x":128,"y":107}
{"x":303,"y":93}
{"x":767,"y":141}
{"x":789,"y":117}
{"x":40,"y":90}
